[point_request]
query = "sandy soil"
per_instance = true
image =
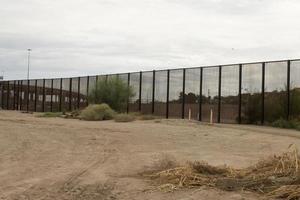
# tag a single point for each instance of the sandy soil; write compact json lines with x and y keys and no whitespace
{"x":43,"y":158}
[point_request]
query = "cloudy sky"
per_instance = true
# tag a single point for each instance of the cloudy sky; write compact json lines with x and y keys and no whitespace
{"x":79,"y":37}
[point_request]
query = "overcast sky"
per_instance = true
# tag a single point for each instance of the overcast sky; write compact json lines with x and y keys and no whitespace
{"x":79,"y":37}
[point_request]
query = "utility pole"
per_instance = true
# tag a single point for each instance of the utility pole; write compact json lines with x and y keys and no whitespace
{"x":28,"y":63}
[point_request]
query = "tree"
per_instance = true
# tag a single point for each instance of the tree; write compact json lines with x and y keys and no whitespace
{"x":114,"y":92}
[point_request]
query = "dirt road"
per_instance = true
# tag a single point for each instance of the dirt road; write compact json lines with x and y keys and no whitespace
{"x":53,"y":158}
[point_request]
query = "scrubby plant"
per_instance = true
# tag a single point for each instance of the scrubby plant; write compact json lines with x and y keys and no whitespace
{"x":124,"y":117}
{"x":289,"y":124}
{"x":114,"y":92}
{"x":97,"y":112}
{"x":50,"y":114}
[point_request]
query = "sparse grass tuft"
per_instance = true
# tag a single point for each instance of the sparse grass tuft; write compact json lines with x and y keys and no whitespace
{"x":49,"y":114}
{"x":97,"y":112}
{"x":124,"y":118}
{"x":291,"y":124}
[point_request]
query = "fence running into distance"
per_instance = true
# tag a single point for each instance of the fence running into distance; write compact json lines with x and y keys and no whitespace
{"x":256,"y":93}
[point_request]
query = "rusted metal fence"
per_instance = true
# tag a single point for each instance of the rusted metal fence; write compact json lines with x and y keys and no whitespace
{"x":254,"y":93}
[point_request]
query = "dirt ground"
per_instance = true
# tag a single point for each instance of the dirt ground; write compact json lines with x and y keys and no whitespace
{"x":53,"y":158}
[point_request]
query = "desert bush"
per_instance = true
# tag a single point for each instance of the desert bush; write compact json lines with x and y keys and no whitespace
{"x":50,"y":114}
{"x":124,"y":118}
{"x":114,"y":92}
{"x":289,"y":124}
{"x":97,"y":112}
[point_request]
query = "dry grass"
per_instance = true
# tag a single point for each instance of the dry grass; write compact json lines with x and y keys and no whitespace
{"x":277,"y":176}
{"x":49,"y":114}
{"x":124,"y":118}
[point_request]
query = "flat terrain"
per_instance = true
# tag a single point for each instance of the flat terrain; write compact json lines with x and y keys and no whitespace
{"x":53,"y":158}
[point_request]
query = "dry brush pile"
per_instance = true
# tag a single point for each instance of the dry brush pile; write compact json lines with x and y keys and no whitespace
{"x":277,"y":177}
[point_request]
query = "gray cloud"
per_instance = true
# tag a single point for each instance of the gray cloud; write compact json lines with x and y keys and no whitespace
{"x":72,"y":38}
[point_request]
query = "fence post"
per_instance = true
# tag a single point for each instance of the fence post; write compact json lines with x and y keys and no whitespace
{"x":2,"y":95}
{"x":219,"y":94}
{"x":28,"y":95}
{"x":168,"y":95}
{"x":43,"y":103}
{"x":21,"y":92}
{"x":60,"y":95}
{"x":183,"y":94}
{"x":78,"y":95}
{"x":87,"y":89}
{"x":288,"y":88}
{"x":140,"y":92}
{"x":240,"y":93}
{"x":18,"y":95}
{"x":70,"y":95}
{"x":14,"y":92}
{"x":128,"y":85}
{"x":153,"y":91}
{"x":51,"y":97}
{"x":35,"y":95}
{"x":7,"y":96}
{"x":263,"y":93}
{"x":200,"y":94}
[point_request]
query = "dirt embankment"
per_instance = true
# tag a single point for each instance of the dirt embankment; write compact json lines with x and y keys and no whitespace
{"x":70,"y":159}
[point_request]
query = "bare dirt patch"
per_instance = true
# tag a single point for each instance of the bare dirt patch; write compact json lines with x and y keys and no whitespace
{"x":53,"y":158}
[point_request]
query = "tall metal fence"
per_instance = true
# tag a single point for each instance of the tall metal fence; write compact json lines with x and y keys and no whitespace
{"x":254,"y":93}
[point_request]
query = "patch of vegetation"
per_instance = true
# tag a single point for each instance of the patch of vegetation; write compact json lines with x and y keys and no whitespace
{"x":50,"y":114}
{"x":97,"y":112}
{"x":124,"y":118}
{"x":289,"y":124}
{"x":136,"y":114}
{"x":147,"y":117}
{"x":114,"y":92}
{"x":275,"y":177}
{"x":72,"y":115}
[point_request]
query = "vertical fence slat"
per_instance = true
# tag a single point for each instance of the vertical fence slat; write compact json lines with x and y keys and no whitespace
{"x":78,"y":94}
{"x":28,"y":95}
{"x":2,"y":95}
{"x":43,"y":103}
{"x":60,"y":95}
{"x":35,"y":96}
{"x":219,"y":94}
{"x":200,"y":94}
{"x":263,"y":93}
{"x":7,"y":96}
{"x":51,"y":97}
{"x":21,"y":92}
{"x":288,"y":88}
{"x":183,"y":94}
{"x":240,"y":94}
{"x":140,"y":93}
{"x":128,"y":85}
{"x":14,"y":92}
{"x":70,"y":95}
{"x":87,"y":90}
{"x":18,"y":95}
{"x":153,"y":91}
{"x":168,"y":94}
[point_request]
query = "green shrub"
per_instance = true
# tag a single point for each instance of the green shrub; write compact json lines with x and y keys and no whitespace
{"x":114,"y":92}
{"x":147,"y":117}
{"x":289,"y":124}
{"x":124,"y":118}
{"x":97,"y":112}
{"x":50,"y":114}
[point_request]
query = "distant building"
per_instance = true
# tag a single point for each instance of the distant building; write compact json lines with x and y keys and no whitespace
{"x":1,"y":78}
